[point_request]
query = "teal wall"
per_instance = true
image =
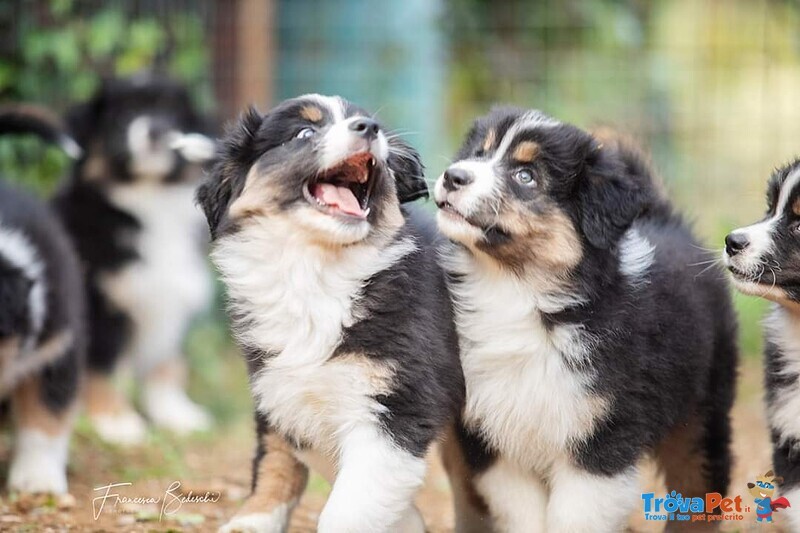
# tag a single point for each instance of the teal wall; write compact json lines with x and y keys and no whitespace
{"x":386,"y":56}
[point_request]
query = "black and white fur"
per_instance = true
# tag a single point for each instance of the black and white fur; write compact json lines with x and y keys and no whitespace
{"x":42,"y":322}
{"x":590,"y":338}
{"x":129,"y":207}
{"x":344,"y":319}
{"x":764,"y":261}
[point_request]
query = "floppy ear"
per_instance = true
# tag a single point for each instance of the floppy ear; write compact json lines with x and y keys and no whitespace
{"x":409,"y":172}
{"x":770,"y":473}
{"x":750,"y":485}
{"x":778,"y":479}
{"x":226,"y":178}
{"x":610,"y":196}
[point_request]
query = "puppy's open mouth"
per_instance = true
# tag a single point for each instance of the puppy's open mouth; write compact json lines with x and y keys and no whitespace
{"x":450,"y":210}
{"x":345,"y":189}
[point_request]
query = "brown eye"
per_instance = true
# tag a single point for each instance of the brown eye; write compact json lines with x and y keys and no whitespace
{"x":525,"y":177}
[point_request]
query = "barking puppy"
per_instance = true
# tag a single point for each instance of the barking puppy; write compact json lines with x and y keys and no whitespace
{"x":588,"y":338}
{"x":129,"y":207}
{"x":764,"y":260}
{"x":340,"y":309}
{"x":42,"y":323}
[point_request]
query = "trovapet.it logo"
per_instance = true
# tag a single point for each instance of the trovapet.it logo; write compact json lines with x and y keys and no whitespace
{"x":673,"y":507}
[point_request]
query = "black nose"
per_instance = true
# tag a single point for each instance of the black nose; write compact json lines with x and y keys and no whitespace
{"x":366,"y":127}
{"x":735,"y":243}
{"x":455,"y":178}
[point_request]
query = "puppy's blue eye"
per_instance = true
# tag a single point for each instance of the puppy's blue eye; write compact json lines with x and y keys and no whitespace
{"x":525,"y":177}
{"x":305,"y":133}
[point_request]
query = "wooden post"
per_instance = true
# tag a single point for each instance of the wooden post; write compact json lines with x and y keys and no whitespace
{"x":255,"y":57}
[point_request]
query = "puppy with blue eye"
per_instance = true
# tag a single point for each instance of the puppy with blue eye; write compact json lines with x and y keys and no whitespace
{"x":340,"y":308}
{"x":590,"y":337}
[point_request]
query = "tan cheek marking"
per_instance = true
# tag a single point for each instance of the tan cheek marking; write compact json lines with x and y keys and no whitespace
{"x":796,"y":207}
{"x":526,"y":151}
{"x":312,"y":113}
{"x":31,"y":413}
{"x":254,"y":199}
{"x":281,"y":478}
{"x":95,"y":168}
{"x":488,"y":142}
{"x":542,"y":240}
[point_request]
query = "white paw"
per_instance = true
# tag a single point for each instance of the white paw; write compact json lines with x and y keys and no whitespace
{"x":126,"y":428}
{"x":169,"y":407}
{"x":275,"y":522}
{"x":39,"y":463}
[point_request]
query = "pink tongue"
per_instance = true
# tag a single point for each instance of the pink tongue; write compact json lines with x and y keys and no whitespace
{"x":340,"y":197}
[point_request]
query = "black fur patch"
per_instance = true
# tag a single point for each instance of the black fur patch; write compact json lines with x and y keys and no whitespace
{"x":104,"y":234}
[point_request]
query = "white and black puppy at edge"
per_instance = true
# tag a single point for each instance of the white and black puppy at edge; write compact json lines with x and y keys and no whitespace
{"x":590,"y":338}
{"x":42,"y":321}
{"x":764,"y":261}
{"x":129,"y":206}
{"x":340,"y":309}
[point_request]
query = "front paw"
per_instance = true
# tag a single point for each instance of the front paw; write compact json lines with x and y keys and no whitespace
{"x":35,"y":472}
{"x":123,"y":428}
{"x":169,"y":407}
{"x":275,"y":522}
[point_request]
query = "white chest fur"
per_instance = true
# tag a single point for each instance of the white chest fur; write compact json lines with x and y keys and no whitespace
{"x":521,"y":394}
{"x":783,"y":329}
{"x":295,"y":298}
{"x":170,"y":283}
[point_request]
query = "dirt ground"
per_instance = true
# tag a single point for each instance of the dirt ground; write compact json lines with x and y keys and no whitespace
{"x":217,"y":466}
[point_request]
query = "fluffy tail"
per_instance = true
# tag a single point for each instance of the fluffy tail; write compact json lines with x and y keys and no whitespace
{"x":27,"y":118}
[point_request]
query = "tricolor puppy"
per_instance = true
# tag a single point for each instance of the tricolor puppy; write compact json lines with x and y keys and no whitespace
{"x":590,"y":339}
{"x":340,"y":309}
{"x":764,"y":260}
{"x":129,"y":205}
{"x":42,"y":322}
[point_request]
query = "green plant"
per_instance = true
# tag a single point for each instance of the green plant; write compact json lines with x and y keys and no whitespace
{"x":65,"y":51}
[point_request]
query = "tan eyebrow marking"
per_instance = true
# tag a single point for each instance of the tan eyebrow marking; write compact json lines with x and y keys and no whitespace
{"x":526,"y":151}
{"x":312,"y":113}
{"x":488,"y":142}
{"x":796,"y":207}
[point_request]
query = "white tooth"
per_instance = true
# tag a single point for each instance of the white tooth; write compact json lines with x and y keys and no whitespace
{"x":366,"y":213}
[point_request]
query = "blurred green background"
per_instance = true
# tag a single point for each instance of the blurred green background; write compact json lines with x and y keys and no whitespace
{"x":708,"y":86}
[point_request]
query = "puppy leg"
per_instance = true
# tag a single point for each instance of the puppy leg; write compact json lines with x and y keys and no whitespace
{"x":279,"y":479}
{"x":43,"y":408}
{"x":111,"y":415}
{"x":165,"y":402}
{"x":472,"y":515}
{"x":581,"y":502}
{"x":375,"y":486}
{"x":517,"y":500}
{"x":689,"y":470}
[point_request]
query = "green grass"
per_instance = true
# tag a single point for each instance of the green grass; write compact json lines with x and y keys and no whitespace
{"x":750,"y":311}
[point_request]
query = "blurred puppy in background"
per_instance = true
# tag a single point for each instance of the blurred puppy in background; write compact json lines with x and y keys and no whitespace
{"x":42,"y":321}
{"x":129,"y":207}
